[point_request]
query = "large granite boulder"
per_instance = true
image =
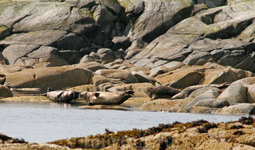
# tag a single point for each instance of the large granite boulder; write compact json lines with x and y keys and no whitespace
{"x":182,"y":77}
{"x":55,"y":77}
{"x":208,"y":95}
{"x":33,"y":55}
{"x":241,"y":91}
{"x":235,"y":93}
{"x":156,"y":18}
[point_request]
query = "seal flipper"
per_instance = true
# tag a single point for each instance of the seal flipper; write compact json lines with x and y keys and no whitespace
{"x":154,"y":97}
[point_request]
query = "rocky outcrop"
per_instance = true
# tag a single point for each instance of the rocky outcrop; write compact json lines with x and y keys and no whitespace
{"x":156,"y":18}
{"x":209,"y":73}
{"x":81,"y":26}
{"x":81,"y":29}
{"x":198,"y":43}
{"x":237,"y":99}
{"x":33,"y":25}
{"x":199,"y":134}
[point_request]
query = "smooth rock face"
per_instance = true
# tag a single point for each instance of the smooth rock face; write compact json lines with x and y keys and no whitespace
{"x":34,"y":24}
{"x":182,"y":41}
{"x":56,"y":77}
{"x":210,"y":94}
{"x":235,"y":93}
{"x":157,"y":19}
{"x":213,"y":91}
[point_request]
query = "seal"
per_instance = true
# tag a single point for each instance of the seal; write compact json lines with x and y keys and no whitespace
{"x":160,"y":92}
{"x":105,"y":98}
{"x":2,"y":79}
{"x":188,"y":90}
{"x":61,"y":95}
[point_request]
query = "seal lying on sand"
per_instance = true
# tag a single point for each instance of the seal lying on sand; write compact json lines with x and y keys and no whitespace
{"x":61,"y":95}
{"x":105,"y":98}
{"x":161,"y":92}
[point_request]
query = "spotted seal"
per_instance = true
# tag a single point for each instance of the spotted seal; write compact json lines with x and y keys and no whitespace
{"x":160,"y":92}
{"x":105,"y":98}
{"x":61,"y":95}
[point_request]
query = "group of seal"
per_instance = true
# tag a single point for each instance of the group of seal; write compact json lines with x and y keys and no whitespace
{"x":107,"y":98}
{"x":91,"y":98}
{"x":113,"y":98}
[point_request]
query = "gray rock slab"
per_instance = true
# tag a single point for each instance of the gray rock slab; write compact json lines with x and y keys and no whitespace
{"x":235,"y":93}
{"x":239,"y":109}
{"x":13,"y":52}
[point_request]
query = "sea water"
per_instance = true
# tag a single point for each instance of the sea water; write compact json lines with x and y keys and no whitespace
{"x":46,"y":122}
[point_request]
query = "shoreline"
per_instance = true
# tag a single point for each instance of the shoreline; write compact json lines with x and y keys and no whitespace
{"x":199,"y":134}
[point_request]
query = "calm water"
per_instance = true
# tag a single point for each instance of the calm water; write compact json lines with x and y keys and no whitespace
{"x":45,"y":122}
